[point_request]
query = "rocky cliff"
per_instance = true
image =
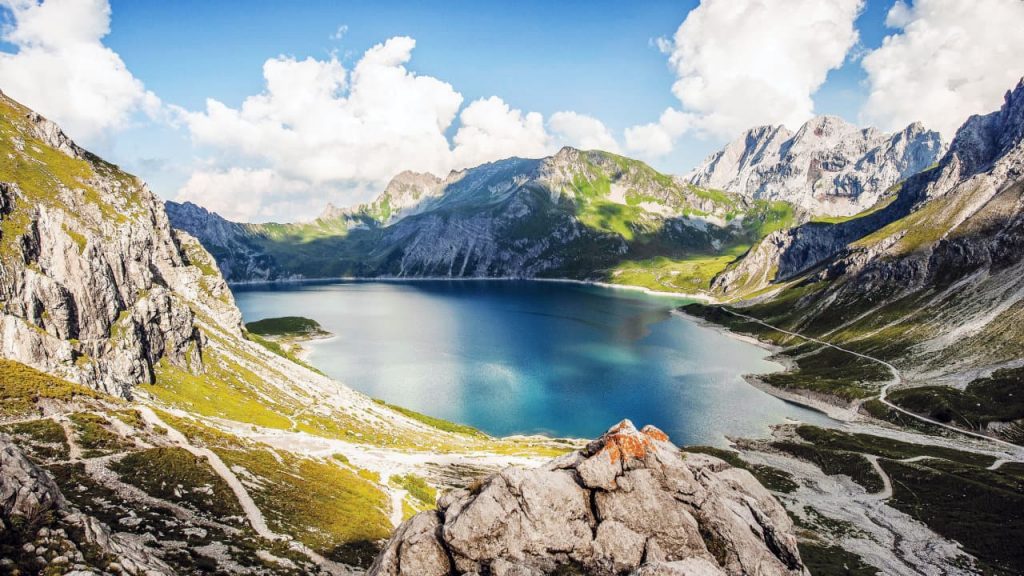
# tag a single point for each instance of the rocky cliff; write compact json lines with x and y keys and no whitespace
{"x":629,"y":503}
{"x":53,"y":535}
{"x":91,"y":275}
{"x":828,"y":166}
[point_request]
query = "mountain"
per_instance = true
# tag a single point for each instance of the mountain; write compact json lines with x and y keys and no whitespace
{"x":144,"y":431}
{"x":929,"y":280}
{"x":828,"y":166}
{"x":577,"y":214}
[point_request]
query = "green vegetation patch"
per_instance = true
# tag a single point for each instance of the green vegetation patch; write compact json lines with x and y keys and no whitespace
{"x":772,"y":478}
{"x":981,"y":509}
{"x":21,"y":387}
{"x":423,"y":493}
{"x":831,"y":560}
{"x":833,"y":372}
{"x":435,"y":422}
{"x":176,"y":475}
{"x":998,"y":398}
{"x":690,"y":275}
{"x":94,"y":435}
{"x":227,"y":390}
{"x":328,"y":507}
{"x":886,"y":447}
{"x":835,"y":462}
{"x":43,"y":439}
{"x":286,"y":326}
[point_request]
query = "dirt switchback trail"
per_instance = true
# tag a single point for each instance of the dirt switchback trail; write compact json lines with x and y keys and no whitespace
{"x":897,"y":378}
{"x":252,"y":512}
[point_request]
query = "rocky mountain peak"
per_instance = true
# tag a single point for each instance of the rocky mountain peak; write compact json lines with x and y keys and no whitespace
{"x":828,"y":166}
{"x":628,"y":503}
{"x":94,"y":285}
{"x":985,"y":138}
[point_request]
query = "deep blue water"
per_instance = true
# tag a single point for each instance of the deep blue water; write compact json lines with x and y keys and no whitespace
{"x":533,"y":357}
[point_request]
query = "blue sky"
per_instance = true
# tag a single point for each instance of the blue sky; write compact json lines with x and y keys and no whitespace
{"x":595,"y":58}
{"x":599,"y":60}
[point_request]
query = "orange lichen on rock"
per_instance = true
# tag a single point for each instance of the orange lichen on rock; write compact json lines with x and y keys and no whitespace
{"x":624,"y":441}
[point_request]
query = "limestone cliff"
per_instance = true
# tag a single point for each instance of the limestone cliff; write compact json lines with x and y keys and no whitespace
{"x":91,"y":274}
{"x":828,"y":166}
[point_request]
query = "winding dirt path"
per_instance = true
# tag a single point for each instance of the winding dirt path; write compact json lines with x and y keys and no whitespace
{"x":252,"y":512}
{"x":897,"y":378}
{"x":886,"y":492}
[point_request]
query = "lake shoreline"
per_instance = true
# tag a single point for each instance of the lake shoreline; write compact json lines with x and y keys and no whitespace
{"x":659,"y":293}
{"x":834,"y":412}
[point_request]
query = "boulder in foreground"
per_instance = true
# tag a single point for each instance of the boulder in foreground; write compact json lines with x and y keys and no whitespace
{"x":629,"y":503}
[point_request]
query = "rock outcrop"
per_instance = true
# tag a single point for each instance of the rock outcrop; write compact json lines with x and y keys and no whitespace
{"x":629,"y":503}
{"x":53,"y":533}
{"x":942,"y":266}
{"x":91,"y":275}
{"x":828,"y":166}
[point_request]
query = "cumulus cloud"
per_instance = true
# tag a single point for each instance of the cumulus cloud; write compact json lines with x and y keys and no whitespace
{"x":658,"y":138}
{"x":330,"y":134}
{"x":62,"y":69}
{"x":582,"y":131}
{"x":248,"y":193}
{"x":319,"y":122}
{"x":949,"y":59}
{"x":490,"y":130}
{"x":742,"y":63}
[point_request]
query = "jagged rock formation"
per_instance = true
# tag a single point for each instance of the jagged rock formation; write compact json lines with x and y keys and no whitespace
{"x":629,"y":503}
{"x":828,"y":166}
{"x":575,"y":214}
{"x":406,"y":194}
{"x":32,"y":506}
{"x":90,"y":272}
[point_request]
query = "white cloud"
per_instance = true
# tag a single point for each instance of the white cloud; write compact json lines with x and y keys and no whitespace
{"x":950,"y":59}
{"x":62,"y":69}
{"x":344,"y":133}
{"x":340,"y":32}
{"x":658,"y":138}
{"x":250,"y":194}
{"x":319,"y":122}
{"x":491,"y":130}
{"x":743,"y":63}
{"x":582,"y":131}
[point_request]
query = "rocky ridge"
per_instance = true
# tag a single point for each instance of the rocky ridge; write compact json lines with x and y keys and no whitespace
{"x":828,"y":166}
{"x":630,"y":502}
{"x":90,"y":271}
{"x":576,"y":214}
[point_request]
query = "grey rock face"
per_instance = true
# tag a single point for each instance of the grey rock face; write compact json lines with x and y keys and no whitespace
{"x":26,"y":491}
{"x":828,"y":166}
{"x":91,"y":277}
{"x":30,"y":498}
{"x":630,"y":502}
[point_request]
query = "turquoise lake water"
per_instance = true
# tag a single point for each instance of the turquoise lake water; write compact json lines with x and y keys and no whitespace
{"x":511,"y":357}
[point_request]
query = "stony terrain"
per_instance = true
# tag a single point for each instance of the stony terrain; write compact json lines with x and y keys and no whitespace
{"x":828,"y":166}
{"x":630,"y":502}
